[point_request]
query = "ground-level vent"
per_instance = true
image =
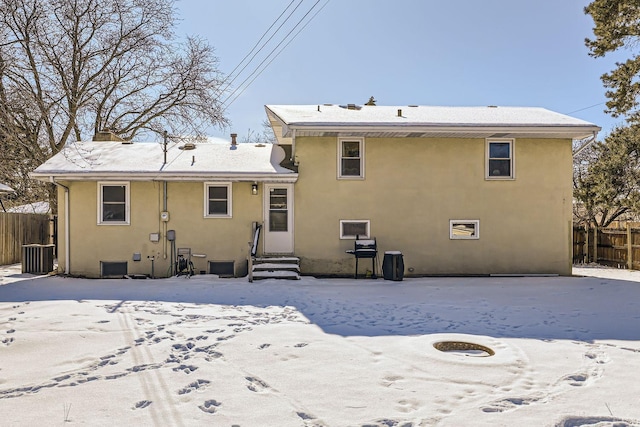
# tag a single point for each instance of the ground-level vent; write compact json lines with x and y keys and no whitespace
{"x":222,"y":268}
{"x":113,"y":269}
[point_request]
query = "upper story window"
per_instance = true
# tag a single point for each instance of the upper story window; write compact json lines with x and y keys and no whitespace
{"x":113,"y":203}
{"x":500,"y":159}
{"x":351,"y":158}
{"x":217,"y":200}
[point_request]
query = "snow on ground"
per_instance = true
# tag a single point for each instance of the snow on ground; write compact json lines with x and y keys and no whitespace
{"x":320,"y":352}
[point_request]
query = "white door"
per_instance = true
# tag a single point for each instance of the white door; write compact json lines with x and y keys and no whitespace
{"x":278,"y":218}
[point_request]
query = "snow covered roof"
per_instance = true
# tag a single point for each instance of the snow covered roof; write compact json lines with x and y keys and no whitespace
{"x":206,"y":161}
{"x":425,"y":121}
{"x":5,"y":189}
{"x":36,"y":207}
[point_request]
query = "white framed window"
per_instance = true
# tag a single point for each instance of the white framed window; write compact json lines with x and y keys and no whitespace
{"x":217,"y":200}
{"x":350,"y":158}
{"x":499,"y":159}
{"x":113,"y":203}
{"x":355,"y":229}
{"x":464,"y":229}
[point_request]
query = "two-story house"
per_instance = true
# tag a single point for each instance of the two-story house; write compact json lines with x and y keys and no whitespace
{"x":458,"y":190}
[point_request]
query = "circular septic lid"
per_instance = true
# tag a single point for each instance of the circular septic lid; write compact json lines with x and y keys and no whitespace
{"x":464,"y":348}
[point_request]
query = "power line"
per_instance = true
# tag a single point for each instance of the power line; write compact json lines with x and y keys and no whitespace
{"x":275,"y":56}
{"x":268,"y":55}
{"x":586,"y":108}
{"x":263,"y":45}
{"x":271,"y":53}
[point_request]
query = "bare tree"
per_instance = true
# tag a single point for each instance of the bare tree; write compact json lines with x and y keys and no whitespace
{"x":19,"y":154}
{"x":71,"y":68}
{"x":265,"y":137}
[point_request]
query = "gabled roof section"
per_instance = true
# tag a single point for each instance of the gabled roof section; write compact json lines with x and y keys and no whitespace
{"x":145,"y":161}
{"x":424,"y":121}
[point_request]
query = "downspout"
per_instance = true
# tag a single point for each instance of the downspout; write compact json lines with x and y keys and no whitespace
{"x":67,"y":233}
{"x":293,"y":147}
{"x":164,"y":223}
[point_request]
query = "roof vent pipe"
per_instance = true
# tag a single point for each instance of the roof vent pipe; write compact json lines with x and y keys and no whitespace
{"x":399,"y":112}
{"x":234,"y":143}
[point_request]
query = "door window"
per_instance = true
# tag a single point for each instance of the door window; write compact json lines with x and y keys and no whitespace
{"x":278,"y":212}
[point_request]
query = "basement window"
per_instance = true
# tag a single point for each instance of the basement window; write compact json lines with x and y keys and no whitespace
{"x":222,"y":268}
{"x":354,"y":229}
{"x":113,"y":269}
{"x":464,"y":229}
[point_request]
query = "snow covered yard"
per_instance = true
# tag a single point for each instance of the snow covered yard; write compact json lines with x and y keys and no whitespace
{"x":224,"y":352}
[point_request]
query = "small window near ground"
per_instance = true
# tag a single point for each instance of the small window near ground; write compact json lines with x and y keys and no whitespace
{"x":222,"y":268}
{"x":352,"y":229}
{"x":113,"y":203}
{"x":464,"y":229}
{"x":351,"y":158}
{"x":217,"y":200}
{"x":500,"y":159}
{"x":113,"y":269}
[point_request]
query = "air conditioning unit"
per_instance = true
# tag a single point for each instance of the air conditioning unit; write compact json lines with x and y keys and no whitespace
{"x":37,"y":259}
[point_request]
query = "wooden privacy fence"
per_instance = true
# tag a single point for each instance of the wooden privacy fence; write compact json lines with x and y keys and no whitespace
{"x":17,"y":229}
{"x":617,"y":247}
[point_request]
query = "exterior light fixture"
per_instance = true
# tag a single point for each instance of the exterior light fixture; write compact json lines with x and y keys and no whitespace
{"x":254,"y":188}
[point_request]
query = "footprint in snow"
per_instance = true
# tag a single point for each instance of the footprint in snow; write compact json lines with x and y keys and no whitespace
{"x":209,"y":406}
{"x":142,"y":404}
{"x":256,"y":385}
{"x":510,"y":404}
{"x":194,"y":386}
{"x":187,"y":369}
{"x":574,"y":421}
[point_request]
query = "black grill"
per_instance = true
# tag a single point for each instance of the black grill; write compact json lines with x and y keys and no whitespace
{"x":365,"y":248}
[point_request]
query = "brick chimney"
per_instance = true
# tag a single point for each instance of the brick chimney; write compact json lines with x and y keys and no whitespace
{"x":107,"y":135}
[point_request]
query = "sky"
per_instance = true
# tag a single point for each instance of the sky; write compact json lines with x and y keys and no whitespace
{"x":556,"y":351}
{"x":424,"y":52}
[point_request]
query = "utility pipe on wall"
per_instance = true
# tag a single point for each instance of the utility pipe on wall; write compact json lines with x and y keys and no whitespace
{"x":164,"y":223}
{"x":67,"y":233}
{"x":293,"y":146}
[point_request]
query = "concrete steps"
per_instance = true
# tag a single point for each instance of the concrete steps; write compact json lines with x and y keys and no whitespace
{"x":276,"y":268}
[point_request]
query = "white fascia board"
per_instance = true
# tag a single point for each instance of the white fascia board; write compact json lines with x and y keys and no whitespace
{"x":570,"y":131}
{"x":65,"y":176}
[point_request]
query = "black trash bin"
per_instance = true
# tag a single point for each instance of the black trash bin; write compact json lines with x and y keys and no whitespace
{"x":393,"y":265}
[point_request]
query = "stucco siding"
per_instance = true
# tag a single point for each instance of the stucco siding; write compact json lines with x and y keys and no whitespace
{"x":220,"y":239}
{"x":413,"y":187}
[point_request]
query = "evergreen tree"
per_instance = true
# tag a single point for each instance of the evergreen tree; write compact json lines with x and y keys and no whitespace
{"x":607,"y":178}
{"x":617,"y":26}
